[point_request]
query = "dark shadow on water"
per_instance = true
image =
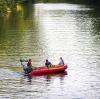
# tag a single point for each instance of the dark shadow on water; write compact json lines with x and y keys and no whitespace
{"x":46,"y":76}
{"x":28,"y":77}
{"x":49,"y":76}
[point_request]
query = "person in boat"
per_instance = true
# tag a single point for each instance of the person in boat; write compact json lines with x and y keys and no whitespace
{"x":48,"y":64}
{"x":61,"y":63}
{"x":27,"y":65}
{"x":24,"y":64}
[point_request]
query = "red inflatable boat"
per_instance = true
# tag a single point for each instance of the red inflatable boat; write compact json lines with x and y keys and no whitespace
{"x":45,"y":70}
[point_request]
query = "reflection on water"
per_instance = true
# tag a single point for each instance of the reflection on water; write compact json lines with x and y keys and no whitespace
{"x":43,"y":31}
{"x":48,"y":77}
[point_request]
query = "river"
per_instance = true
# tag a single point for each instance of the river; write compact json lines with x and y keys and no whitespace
{"x":47,"y":30}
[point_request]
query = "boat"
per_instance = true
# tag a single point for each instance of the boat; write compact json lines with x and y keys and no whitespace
{"x":46,"y":70}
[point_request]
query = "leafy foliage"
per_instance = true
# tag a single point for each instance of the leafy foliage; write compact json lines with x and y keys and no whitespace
{"x":9,"y":5}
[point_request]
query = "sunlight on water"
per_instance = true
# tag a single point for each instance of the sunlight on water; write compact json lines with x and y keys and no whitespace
{"x":63,"y":6}
{"x":59,"y":26}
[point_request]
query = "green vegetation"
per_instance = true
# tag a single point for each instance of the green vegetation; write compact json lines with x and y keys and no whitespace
{"x":93,"y":2}
{"x":7,"y":5}
{"x":10,"y":5}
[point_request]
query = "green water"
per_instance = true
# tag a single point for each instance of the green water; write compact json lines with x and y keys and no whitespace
{"x":42,"y":31}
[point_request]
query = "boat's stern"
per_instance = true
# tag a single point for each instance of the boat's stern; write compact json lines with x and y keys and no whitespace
{"x":66,"y":66}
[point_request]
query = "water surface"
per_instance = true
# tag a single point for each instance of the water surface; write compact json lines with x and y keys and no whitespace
{"x":44,"y":31}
